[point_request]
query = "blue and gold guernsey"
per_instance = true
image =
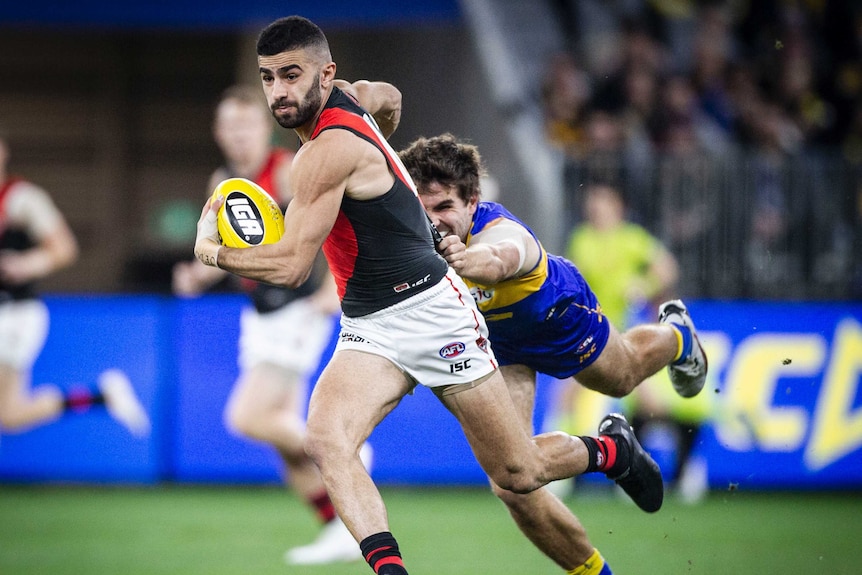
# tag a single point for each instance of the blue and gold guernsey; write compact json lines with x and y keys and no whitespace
{"x":547,"y":319}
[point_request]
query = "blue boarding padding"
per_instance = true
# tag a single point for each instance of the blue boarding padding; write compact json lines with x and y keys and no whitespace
{"x":89,"y":334}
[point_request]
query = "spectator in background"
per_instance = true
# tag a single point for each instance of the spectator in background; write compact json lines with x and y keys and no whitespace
{"x":566,"y":91}
{"x":36,"y":242}
{"x":716,"y":164}
{"x":283,"y":333}
{"x":631,"y":273}
{"x":713,"y":51}
{"x":799,"y":94}
{"x":687,"y":196}
{"x":684,"y":127}
{"x":769,"y":260}
{"x":603,"y":155}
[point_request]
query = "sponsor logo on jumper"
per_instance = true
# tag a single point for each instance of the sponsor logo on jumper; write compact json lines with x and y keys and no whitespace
{"x":481,"y":295}
{"x":453,"y":349}
{"x":407,"y":285}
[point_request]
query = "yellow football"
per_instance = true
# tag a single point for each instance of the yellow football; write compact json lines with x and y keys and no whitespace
{"x":249,"y":215}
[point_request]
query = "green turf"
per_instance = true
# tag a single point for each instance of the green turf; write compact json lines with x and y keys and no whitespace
{"x":185,"y":530}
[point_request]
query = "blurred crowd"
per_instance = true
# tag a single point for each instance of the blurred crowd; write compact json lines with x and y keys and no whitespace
{"x":675,"y":73}
{"x":720,"y":118}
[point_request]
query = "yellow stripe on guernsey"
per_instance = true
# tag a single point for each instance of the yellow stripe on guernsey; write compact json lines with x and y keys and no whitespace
{"x":593,"y":565}
{"x":507,"y":292}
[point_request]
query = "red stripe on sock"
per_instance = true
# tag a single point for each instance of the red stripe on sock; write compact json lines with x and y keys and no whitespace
{"x":391,"y":560}
{"x":368,"y":557}
{"x":79,"y":399}
{"x":324,"y":507}
{"x":609,"y":447}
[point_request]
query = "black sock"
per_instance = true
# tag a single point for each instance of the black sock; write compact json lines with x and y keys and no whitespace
{"x":381,"y":552}
{"x":82,"y":399}
{"x":606,"y":455}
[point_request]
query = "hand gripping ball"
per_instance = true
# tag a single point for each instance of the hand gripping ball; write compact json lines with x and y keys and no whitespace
{"x":249,"y":215}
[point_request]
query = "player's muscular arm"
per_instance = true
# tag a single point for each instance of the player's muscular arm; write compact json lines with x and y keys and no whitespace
{"x":498,"y":253}
{"x":319,"y":178}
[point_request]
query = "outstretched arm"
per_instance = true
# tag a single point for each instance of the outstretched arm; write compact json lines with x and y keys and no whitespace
{"x":380,"y":99}
{"x":500,"y":252}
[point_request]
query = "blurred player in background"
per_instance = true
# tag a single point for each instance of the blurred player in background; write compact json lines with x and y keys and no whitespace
{"x":35,"y":242}
{"x":542,"y":317}
{"x":631,"y":273}
{"x":407,"y":317}
{"x":283,"y":333}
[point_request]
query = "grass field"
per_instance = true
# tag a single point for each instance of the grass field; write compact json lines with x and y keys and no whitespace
{"x":190,"y":530}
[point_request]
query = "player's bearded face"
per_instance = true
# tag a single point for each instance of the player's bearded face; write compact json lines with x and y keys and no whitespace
{"x":296,"y":114}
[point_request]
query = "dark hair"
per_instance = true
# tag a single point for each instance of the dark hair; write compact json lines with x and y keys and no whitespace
{"x":291,"y":33}
{"x":445,"y":160}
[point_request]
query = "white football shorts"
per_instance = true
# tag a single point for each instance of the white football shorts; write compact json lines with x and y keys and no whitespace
{"x":437,"y":337}
{"x":293,"y":337}
{"x":23,"y":330}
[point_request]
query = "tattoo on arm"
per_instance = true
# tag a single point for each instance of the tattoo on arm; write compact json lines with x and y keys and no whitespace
{"x":210,"y":260}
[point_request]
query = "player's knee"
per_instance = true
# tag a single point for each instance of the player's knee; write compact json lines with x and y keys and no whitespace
{"x":241,"y":422}
{"x":613,"y":385}
{"x":45,"y":404}
{"x":322,"y":445}
{"x":9,"y":421}
{"x":510,"y":498}
{"x":514,"y":479}
{"x":620,"y":387}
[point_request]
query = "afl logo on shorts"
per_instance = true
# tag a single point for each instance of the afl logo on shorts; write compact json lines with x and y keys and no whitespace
{"x":451,"y":350}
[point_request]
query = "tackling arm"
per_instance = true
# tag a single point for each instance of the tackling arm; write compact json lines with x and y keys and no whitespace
{"x":500,"y":252}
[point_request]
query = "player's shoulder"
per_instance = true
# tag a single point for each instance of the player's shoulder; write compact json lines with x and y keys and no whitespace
{"x":331,"y":148}
{"x":25,"y":192}
{"x":28,"y":204}
{"x":490,"y":214}
{"x":21,"y":186}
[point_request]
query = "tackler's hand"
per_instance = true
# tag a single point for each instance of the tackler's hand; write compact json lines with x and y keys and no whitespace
{"x":454,"y":250}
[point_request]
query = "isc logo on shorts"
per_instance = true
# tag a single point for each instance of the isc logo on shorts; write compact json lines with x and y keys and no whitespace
{"x":244,"y":217}
{"x":451,"y":350}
